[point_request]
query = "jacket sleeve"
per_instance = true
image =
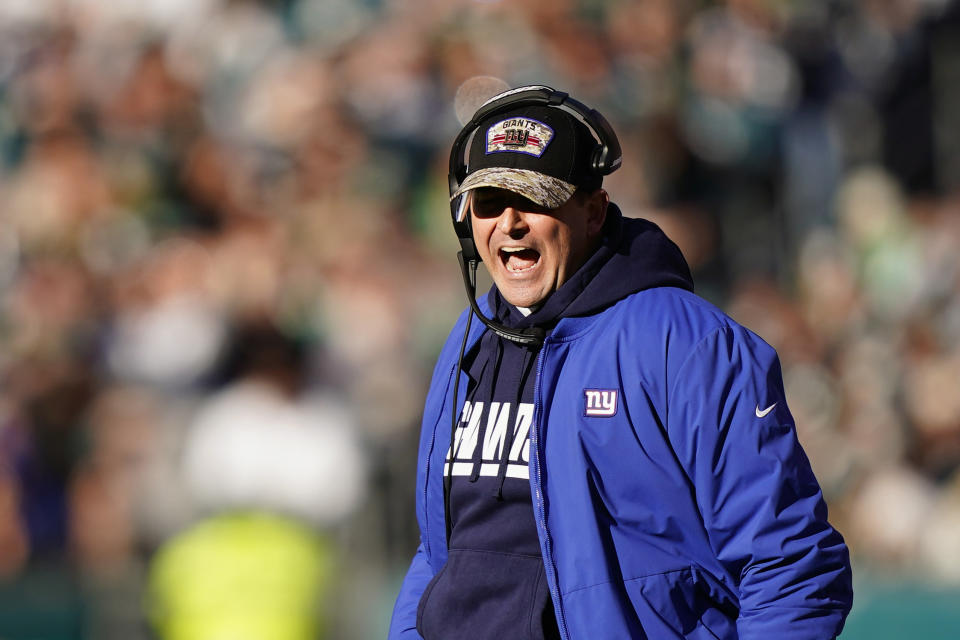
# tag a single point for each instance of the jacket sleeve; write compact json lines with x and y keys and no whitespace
{"x":761,"y":504}
{"x":403,"y":624}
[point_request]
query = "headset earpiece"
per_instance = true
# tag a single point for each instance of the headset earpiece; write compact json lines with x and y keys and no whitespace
{"x":463,"y":226}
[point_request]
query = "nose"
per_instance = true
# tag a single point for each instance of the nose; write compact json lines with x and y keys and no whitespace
{"x":512,"y":223}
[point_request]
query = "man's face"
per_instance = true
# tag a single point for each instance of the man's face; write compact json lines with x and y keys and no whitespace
{"x":530,"y":250}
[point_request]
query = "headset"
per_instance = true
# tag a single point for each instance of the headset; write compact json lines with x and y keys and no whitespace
{"x":605,"y":159}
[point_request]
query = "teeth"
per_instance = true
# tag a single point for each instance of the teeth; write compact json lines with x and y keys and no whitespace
{"x":518,"y":259}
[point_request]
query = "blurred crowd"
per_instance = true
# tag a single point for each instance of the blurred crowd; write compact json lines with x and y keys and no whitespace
{"x":226,"y":267}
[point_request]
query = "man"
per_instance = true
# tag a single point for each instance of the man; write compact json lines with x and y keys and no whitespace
{"x":622,"y":463}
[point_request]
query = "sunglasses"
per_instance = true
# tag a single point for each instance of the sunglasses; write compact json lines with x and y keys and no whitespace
{"x":490,"y":202}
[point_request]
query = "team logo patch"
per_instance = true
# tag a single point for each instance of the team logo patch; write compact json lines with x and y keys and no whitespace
{"x":519,"y":135}
{"x":601,"y":403}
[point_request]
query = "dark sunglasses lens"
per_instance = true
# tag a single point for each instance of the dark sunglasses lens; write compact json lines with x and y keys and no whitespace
{"x":487,"y":205}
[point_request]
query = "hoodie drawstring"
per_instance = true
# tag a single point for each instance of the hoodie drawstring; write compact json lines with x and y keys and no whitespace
{"x":478,"y":450}
{"x":511,"y":433}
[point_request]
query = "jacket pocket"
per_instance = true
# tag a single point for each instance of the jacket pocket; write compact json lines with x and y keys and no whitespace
{"x":683,"y":603}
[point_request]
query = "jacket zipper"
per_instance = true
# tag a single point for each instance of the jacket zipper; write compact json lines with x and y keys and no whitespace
{"x":549,"y":568}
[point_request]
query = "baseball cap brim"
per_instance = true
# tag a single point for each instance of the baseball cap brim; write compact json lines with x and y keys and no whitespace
{"x":537,"y":187}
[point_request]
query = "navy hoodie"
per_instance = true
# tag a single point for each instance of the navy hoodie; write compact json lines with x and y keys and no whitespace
{"x":493,"y":584}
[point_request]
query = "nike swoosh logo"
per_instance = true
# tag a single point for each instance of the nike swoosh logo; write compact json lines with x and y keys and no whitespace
{"x":760,"y":414}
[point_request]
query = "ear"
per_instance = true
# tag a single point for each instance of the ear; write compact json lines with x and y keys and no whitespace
{"x":596,"y":206}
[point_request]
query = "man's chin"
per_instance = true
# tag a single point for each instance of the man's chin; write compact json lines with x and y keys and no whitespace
{"x":522,"y":299}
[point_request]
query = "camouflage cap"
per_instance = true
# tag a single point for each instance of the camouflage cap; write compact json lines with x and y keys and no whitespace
{"x":537,"y":187}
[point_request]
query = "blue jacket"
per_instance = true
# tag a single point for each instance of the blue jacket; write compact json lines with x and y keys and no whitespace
{"x":690,"y":512}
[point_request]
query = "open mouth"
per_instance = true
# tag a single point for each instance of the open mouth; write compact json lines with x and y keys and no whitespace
{"x":519,"y":259}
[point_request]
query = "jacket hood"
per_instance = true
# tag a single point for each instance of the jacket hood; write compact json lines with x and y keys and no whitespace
{"x":634,"y":255}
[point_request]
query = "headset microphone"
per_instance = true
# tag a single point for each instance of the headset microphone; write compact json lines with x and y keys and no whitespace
{"x":532,"y":336}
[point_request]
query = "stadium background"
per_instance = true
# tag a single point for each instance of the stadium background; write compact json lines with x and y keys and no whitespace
{"x":226,"y":267}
